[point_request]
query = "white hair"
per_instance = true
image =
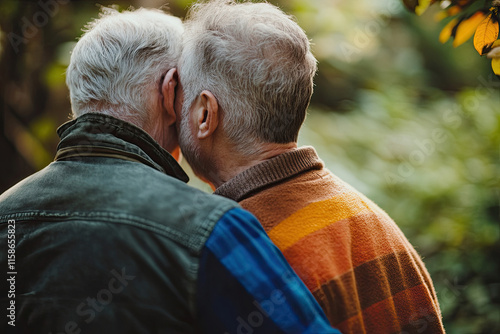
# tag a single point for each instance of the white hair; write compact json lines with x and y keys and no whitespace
{"x":117,"y":64}
{"x":257,"y":62}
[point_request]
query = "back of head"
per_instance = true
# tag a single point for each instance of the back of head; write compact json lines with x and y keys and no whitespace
{"x":257,"y":62}
{"x":117,"y":64}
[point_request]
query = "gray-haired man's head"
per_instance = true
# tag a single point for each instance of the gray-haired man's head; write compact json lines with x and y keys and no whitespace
{"x":257,"y":62}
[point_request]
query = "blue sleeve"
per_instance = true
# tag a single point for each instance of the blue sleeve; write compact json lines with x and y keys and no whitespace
{"x":246,"y":286}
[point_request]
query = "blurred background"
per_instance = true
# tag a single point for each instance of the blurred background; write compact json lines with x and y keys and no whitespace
{"x":412,"y":123}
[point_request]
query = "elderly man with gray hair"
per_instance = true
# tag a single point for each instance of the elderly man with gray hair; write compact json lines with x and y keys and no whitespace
{"x":246,"y":79}
{"x":110,"y":239}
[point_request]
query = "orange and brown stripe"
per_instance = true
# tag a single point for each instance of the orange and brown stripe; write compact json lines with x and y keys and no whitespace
{"x":355,"y":260}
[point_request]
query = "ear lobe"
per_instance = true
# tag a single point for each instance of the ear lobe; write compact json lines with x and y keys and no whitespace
{"x":168,"y":95}
{"x":208,"y":119}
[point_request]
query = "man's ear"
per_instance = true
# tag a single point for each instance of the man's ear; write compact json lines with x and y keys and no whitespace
{"x":207,"y":114}
{"x":168,"y":95}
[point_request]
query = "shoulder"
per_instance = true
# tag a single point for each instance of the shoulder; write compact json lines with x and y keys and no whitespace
{"x":127,"y":192}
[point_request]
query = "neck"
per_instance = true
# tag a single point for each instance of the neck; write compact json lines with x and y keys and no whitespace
{"x":231,"y":163}
{"x":166,"y":137}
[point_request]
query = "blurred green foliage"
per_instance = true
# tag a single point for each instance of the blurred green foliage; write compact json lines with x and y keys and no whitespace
{"x":412,"y":123}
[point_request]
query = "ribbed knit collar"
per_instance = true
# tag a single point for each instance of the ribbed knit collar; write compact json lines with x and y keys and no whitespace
{"x":270,"y":172}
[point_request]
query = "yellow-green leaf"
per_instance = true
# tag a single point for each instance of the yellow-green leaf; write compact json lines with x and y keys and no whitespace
{"x":467,"y":27}
{"x":441,"y":15}
{"x":422,"y":6}
{"x":495,"y":65}
{"x":445,"y":34}
{"x":486,"y":34}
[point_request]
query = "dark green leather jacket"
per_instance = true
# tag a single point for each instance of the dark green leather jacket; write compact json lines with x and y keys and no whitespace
{"x":107,"y":237}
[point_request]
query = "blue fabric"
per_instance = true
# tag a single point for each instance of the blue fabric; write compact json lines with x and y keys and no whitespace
{"x":106,"y":245}
{"x":260,"y":292}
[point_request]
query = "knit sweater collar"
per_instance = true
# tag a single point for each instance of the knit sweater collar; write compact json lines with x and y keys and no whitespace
{"x":270,"y":172}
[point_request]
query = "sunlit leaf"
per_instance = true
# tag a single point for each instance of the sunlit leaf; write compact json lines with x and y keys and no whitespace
{"x":445,"y":34}
{"x":495,"y":65}
{"x":466,"y":28}
{"x":445,"y":4}
{"x":454,"y":10}
{"x":494,"y":53}
{"x":451,"y":11}
{"x":486,"y":34}
{"x":441,"y":15}
{"x":422,"y":6}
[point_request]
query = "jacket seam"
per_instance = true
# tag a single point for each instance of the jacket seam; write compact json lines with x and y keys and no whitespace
{"x":201,"y":232}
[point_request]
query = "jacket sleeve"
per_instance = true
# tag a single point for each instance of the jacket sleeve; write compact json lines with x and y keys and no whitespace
{"x":246,"y":286}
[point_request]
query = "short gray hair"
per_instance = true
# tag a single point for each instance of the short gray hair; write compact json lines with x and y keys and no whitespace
{"x":118,"y":62}
{"x":257,"y":62}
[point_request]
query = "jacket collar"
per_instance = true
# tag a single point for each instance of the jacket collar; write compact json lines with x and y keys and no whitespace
{"x":95,"y":134}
